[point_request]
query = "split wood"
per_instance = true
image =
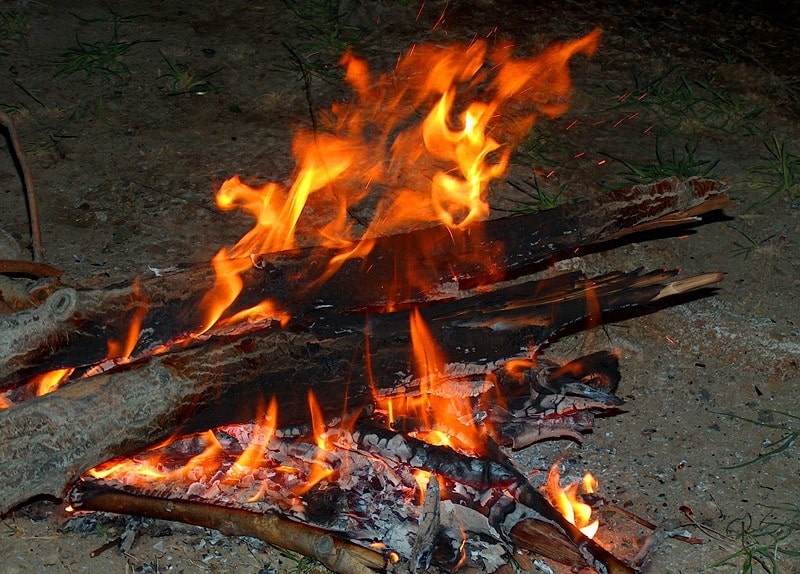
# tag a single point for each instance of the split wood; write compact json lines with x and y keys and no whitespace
{"x":520,"y":246}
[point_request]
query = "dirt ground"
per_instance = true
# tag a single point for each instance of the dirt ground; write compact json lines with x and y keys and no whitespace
{"x":127,"y":154}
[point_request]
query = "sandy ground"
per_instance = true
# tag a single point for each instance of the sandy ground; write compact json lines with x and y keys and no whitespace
{"x":127,"y":161}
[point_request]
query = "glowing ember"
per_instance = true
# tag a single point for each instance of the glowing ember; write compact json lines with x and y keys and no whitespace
{"x":567,"y":501}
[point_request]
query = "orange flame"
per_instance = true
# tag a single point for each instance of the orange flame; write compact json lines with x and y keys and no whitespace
{"x":123,"y":349}
{"x":475,"y":104}
{"x":5,"y":402}
{"x":151,"y":464}
{"x":253,"y":456}
{"x":50,"y":381}
{"x":319,"y":471}
{"x":228,"y":267}
{"x":441,"y":419}
{"x":566,"y":500}
{"x":517,"y":367}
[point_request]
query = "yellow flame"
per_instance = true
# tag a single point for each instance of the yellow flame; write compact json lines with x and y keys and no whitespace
{"x":48,"y":382}
{"x":437,"y":169}
{"x":319,"y":471}
{"x":253,"y":455}
{"x":566,"y":500}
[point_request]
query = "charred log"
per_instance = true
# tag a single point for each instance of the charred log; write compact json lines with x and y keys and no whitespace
{"x":46,"y":443}
{"x":444,"y":258}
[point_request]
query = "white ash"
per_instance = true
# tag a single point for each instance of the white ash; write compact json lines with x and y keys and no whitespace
{"x":374,"y":498}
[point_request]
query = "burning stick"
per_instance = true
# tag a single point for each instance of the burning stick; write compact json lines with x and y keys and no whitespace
{"x":336,"y":553}
{"x":483,"y":474}
{"x":220,"y":382}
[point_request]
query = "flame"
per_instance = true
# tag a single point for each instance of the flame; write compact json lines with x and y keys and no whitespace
{"x":38,"y":385}
{"x":516,"y":367}
{"x":422,"y":478}
{"x":319,"y":471}
{"x":475,"y":104}
{"x":566,"y":500}
{"x":5,"y":402}
{"x":228,"y":267}
{"x":146,"y":466}
{"x":420,"y":145}
{"x":440,"y":419}
{"x":50,"y":381}
{"x":593,"y":311}
{"x":151,"y":464}
{"x":450,"y":418}
{"x":122,"y":349}
{"x":253,"y":455}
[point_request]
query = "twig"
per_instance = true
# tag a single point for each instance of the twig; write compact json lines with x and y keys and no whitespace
{"x":27,"y":180}
{"x":336,"y":553}
{"x":28,"y":268}
{"x":107,"y":546}
{"x":643,"y":521}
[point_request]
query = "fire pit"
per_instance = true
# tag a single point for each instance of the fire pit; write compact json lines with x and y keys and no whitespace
{"x":354,"y":401}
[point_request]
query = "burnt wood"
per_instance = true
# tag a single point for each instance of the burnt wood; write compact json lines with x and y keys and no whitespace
{"x":445,"y":258}
{"x":48,"y":442}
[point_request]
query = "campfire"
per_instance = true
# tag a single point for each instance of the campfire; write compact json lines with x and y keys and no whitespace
{"x":346,"y":380}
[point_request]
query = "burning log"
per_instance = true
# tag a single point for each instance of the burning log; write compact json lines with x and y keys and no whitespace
{"x":512,"y":508}
{"x":48,"y":442}
{"x":291,"y":280}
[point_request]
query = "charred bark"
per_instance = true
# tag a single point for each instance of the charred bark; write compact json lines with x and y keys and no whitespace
{"x":444,"y":260}
{"x":46,"y":443}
